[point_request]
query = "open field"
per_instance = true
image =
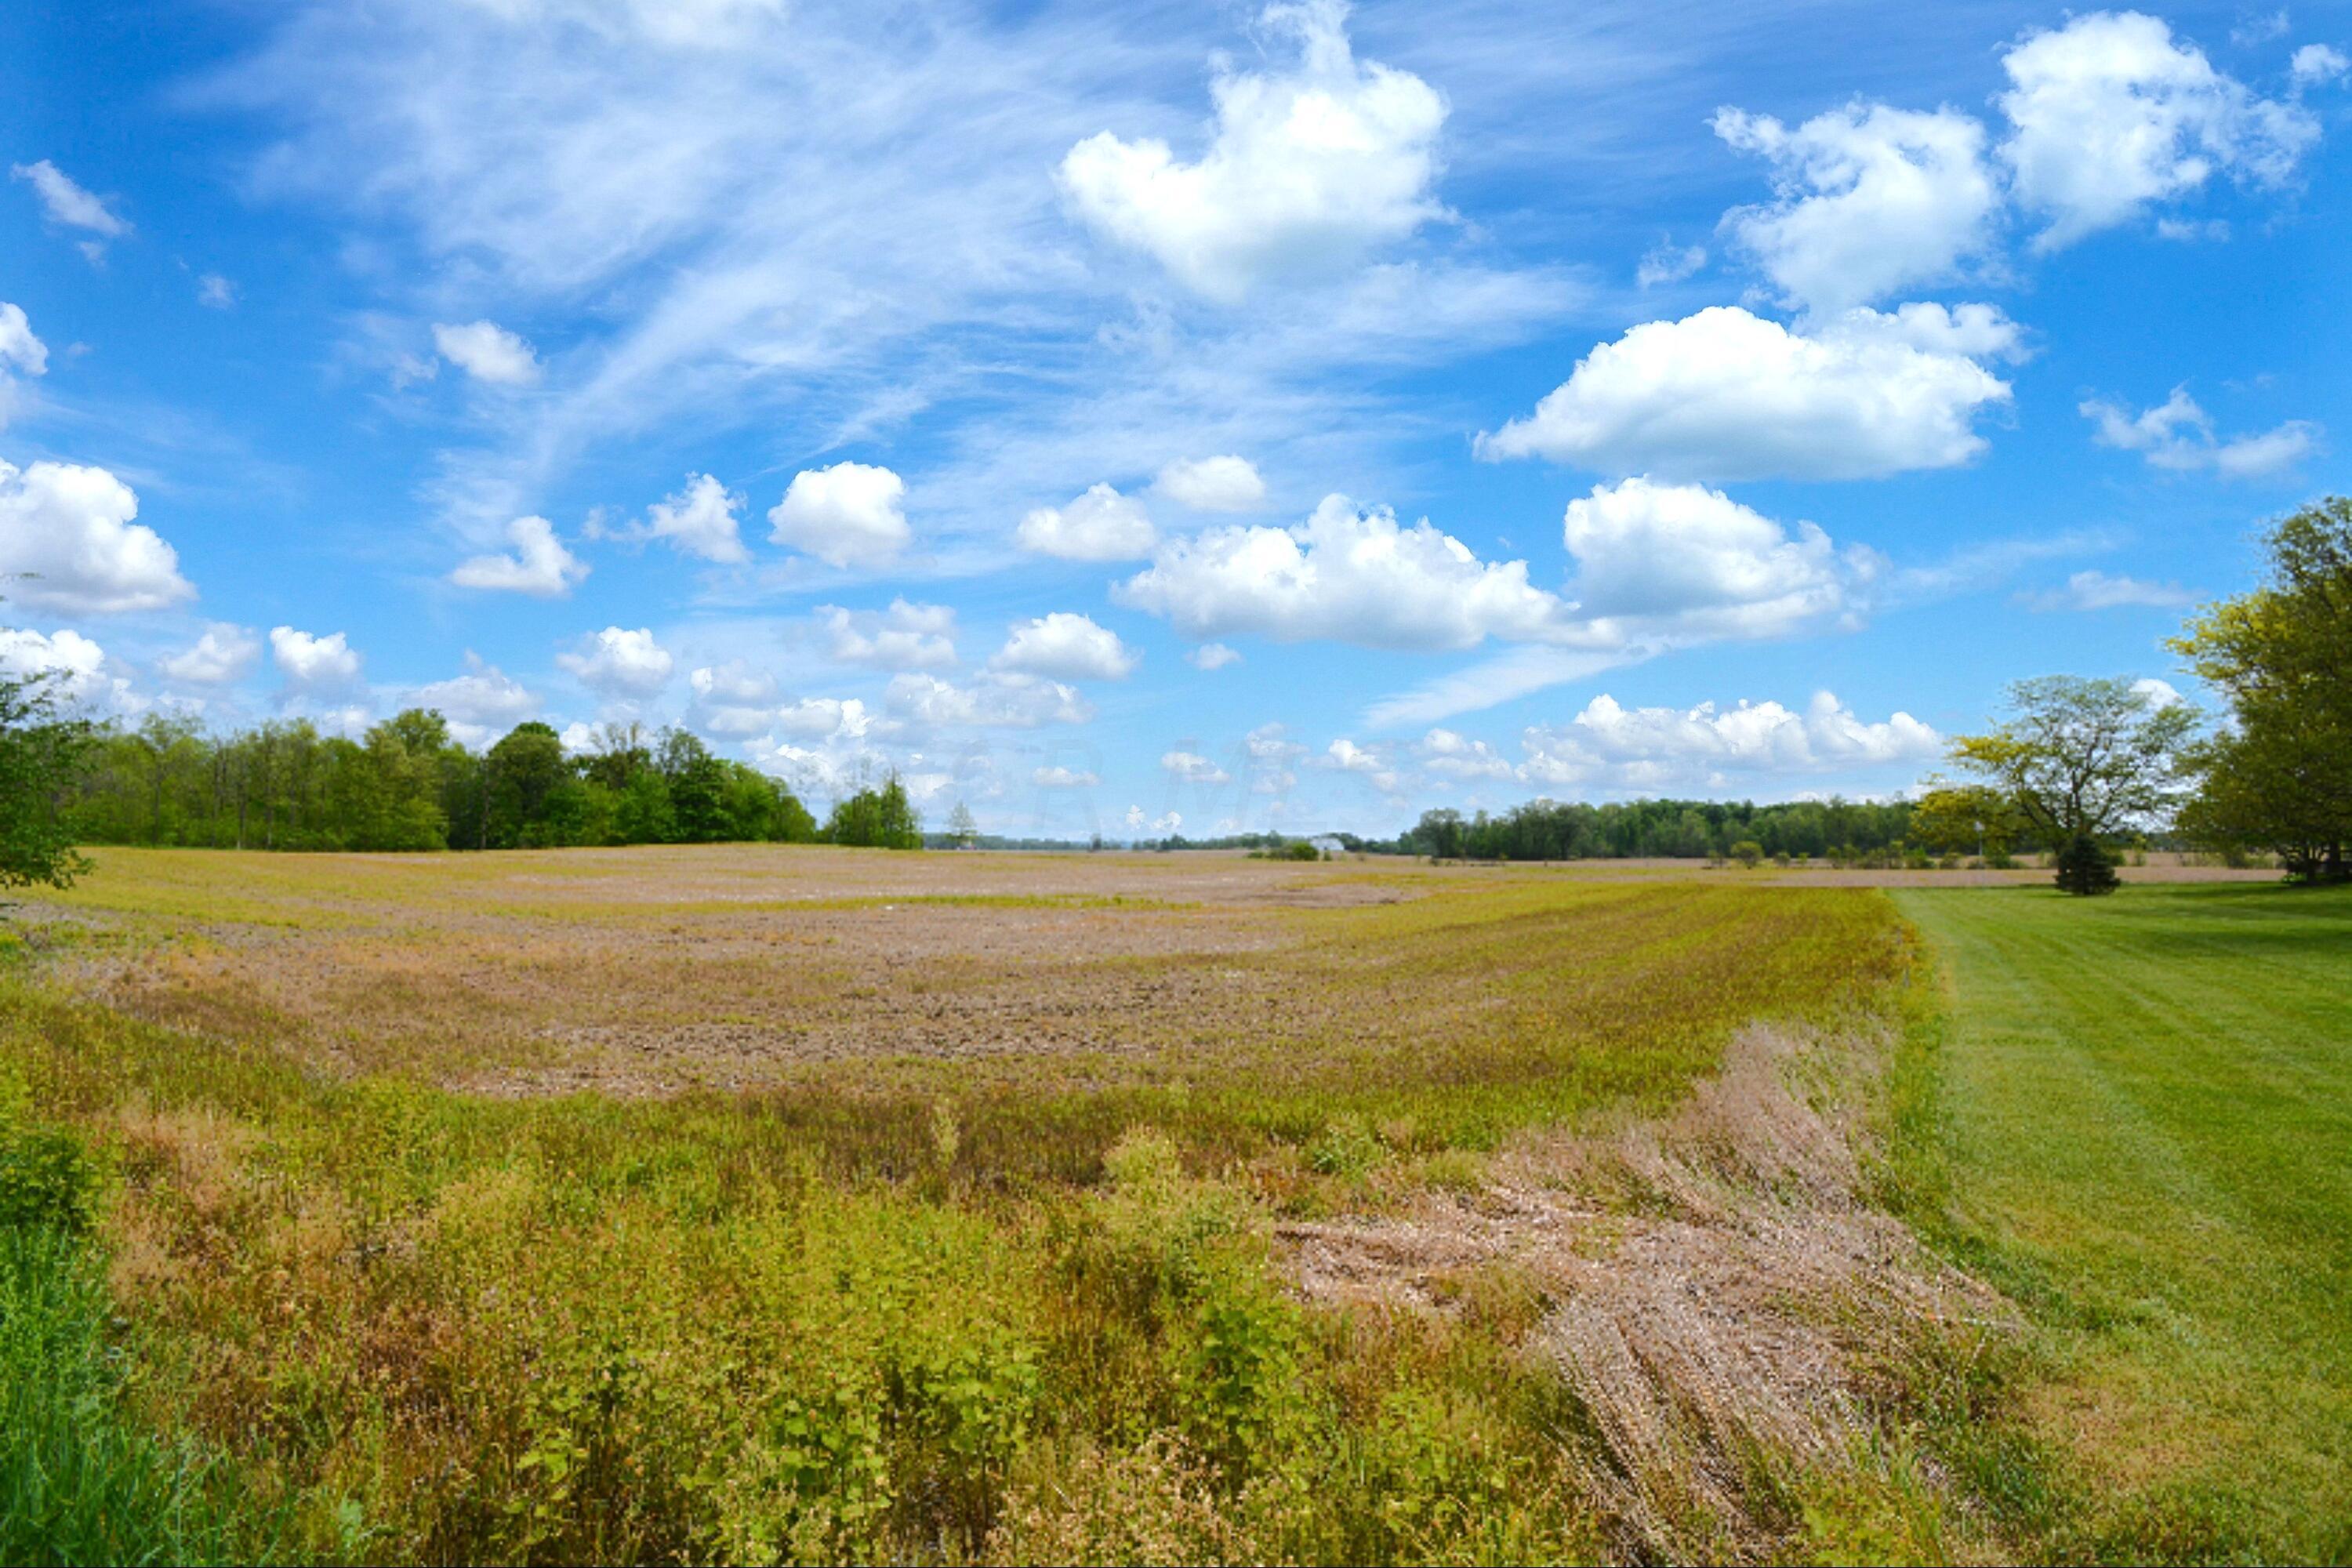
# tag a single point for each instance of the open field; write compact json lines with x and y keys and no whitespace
{"x":1509,"y":995}
{"x":818,"y":1204}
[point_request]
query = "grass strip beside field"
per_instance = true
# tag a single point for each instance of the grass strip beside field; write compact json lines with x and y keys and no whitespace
{"x":2144,"y":1130}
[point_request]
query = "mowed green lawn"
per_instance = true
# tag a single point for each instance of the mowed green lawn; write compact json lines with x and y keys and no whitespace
{"x":2144,"y":1126}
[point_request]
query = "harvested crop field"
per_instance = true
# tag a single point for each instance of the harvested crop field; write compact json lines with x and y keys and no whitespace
{"x":650,"y":972}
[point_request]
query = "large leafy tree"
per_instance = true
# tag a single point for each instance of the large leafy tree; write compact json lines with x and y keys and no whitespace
{"x":2084,"y":762}
{"x":43,"y":753}
{"x":2280,"y":775}
{"x":1965,"y":819}
{"x":521,"y":772}
{"x":697,"y":788}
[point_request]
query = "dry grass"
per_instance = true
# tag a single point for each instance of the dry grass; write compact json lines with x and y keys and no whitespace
{"x":1009,"y":1206}
{"x":1714,"y":1286}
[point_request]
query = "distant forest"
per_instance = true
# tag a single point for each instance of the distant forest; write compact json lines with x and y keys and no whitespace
{"x":1688,"y":829}
{"x":408,"y":784}
{"x":1677,"y":829}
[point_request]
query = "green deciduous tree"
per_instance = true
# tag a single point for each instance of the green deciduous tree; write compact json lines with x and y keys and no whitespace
{"x":2280,"y":775}
{"x":877,"y":819}
{"x":1966,"y":819}
{"x":522,"y":771}
{"x":2084,"y":761}
{"x":43,"y":752}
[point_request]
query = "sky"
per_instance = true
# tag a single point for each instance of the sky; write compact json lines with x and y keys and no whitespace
{"x":1149,"y":419}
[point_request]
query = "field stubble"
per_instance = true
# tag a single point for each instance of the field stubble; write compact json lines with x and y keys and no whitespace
{"x":1014,"y":1234}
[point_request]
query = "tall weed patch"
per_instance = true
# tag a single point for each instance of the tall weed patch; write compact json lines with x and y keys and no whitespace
{"x":82,"y":1479}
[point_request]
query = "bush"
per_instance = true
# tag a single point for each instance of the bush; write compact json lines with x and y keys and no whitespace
{"x":1749,"y":853}
{"x":2086,"y":868}
{"x":47,"y":1180}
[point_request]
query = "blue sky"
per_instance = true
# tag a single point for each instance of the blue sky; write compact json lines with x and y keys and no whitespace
{"x":1123,"y":420}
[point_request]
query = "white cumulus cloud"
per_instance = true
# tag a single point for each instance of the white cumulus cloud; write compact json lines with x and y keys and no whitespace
{"x":1449,"y":754}
{"x":478,"y":703}
{"x":1100,"y":525}
{"x":2316,"y":63}
{"x":1193,"y":768}
{"x":68,"y":543}
{"x":2179,"y":435}
{"x":1725,"y":395}
{"x":314,"y":664}
{"x":700,"y":520}
{"x":76,"y":665}
{"x":904,"y":636}
{"x":1059,"y":777}
{"x":619,"y":663}
{"x":1660,"y":748}
{"x":1344,"y":575}
{"x":2112,"y":116}
{"x":994,"y":700}
{"x":850,"y":514}
{"x":1372,"y":763}
{"x":1211,"y":656}
{"x":737,"y":721}
{"x":20,"y":351}
{"x":1868,"y":200}
{"x":1692,"y":563}
{"x":824,"y":718}
{"x":539,"y":564}
{"x":733,"y":682}
{"x":1225,"y":483}
{"x":226,"y":652}
{"x":488,"y":352}
{"x":1065,"y":647}
{"x":1661,"y":566}
{"x":1305,"y":170}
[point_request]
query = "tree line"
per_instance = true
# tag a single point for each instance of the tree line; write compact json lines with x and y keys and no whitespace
{"x":1680,"y":829}
{"x":407,"y":785}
